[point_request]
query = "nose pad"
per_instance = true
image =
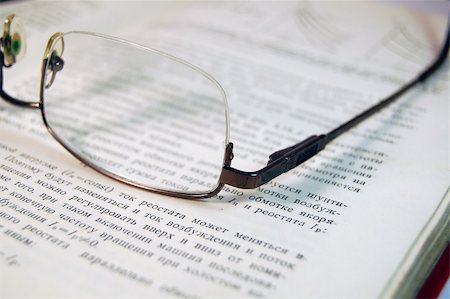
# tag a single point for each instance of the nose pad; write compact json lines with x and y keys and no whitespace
{"x":13,"y":41}
{"x":55,"y":65}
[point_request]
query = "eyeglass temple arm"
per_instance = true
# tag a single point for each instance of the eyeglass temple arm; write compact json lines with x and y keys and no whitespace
{"x":438,"y":62}
{"x":288,"y":158}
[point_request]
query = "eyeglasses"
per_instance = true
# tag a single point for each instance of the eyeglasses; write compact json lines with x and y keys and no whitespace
{"x":149,"y":119}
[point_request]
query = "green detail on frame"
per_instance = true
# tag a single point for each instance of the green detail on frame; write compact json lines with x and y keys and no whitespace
{"x":13,"y":40}
{"x":16,"y":44}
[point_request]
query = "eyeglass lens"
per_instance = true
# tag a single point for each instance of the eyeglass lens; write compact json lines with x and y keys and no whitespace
{"x":136,"y":114}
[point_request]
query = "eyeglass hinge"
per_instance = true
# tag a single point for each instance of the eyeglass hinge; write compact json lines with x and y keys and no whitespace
{"x":228,"y":154}
{"x":300,"y":152}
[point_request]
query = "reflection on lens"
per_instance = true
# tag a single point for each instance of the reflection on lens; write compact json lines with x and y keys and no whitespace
{"x":138,"y":114}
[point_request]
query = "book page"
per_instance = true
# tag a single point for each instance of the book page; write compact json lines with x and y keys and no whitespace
{"x":339,"y":225}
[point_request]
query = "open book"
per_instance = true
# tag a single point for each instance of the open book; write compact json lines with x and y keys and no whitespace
{"x":365,"y":218}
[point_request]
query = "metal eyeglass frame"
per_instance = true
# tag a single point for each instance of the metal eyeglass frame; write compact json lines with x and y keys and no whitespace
{"x":279,"y":162}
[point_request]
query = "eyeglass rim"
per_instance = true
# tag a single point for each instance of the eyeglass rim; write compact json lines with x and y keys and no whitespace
{"x":41,"y":105}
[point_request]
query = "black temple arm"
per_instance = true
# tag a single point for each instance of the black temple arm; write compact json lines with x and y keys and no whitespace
{"x":290,"y":157}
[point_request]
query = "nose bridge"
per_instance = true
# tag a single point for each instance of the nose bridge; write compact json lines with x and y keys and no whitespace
{"x":12,"y":49}
{"x":4,"y":95}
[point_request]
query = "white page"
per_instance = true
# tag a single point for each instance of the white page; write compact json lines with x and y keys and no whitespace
{"x":313,"y":232}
